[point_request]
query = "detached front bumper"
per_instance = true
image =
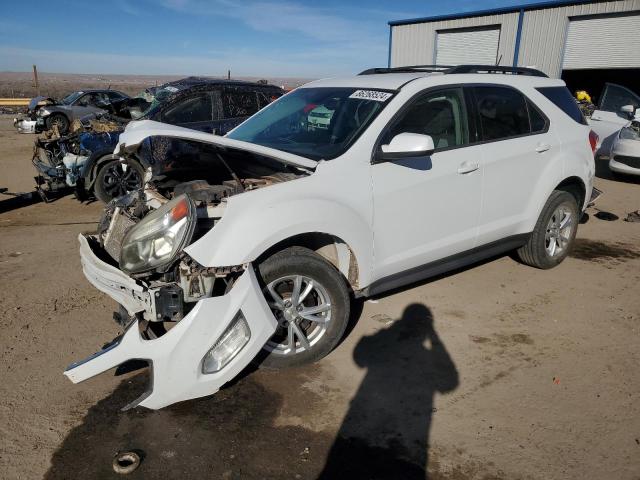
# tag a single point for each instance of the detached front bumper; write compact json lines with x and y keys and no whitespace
{"x":25,"y":125}
{"x":176,"y":357}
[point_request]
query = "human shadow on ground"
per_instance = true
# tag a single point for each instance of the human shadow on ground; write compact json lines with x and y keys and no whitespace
{"x":385,"y":433}
{"x":235,"y":433}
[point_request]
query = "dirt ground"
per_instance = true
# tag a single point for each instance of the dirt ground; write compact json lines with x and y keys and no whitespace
{"x":499,"y":371}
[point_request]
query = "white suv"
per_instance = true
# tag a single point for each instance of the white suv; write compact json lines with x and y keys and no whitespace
{"x":418,"y":171}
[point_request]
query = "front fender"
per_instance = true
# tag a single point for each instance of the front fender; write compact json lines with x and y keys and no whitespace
{"x":250,"y":226}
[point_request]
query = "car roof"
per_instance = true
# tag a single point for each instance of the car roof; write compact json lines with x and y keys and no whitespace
{"x":190,"y":82}
{"x":395,"y":81}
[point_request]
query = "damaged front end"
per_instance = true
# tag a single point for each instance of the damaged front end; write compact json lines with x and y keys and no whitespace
{"x":62,"y":162}
{"x":197,"y":326}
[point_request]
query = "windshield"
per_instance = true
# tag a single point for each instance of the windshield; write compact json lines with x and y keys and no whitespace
{"x":72,"y":97}
{"x":317,"y":123}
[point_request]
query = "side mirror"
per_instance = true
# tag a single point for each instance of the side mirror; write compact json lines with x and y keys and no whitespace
{"x":628,"y":110}
{"x":406,"y":145}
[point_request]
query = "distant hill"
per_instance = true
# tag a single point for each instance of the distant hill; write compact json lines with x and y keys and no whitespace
{"x":57,"y":85}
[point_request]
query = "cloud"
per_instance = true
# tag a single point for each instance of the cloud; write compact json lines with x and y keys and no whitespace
{"x":284,"y":17}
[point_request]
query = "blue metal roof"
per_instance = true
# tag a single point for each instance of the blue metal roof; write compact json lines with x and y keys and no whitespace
{"x":493,"y":11}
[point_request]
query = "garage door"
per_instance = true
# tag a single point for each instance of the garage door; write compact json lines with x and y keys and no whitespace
{"x":470,"y":46}
{"x":603,"y":42}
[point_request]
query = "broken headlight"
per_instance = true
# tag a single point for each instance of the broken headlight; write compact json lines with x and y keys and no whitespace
{"x":157,"y":239}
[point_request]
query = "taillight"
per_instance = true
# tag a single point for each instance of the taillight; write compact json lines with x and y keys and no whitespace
{"x":593,"y":141}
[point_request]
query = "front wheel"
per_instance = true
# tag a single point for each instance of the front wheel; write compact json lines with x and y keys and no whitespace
{"x":311,"y":302}
{"x":554,"y":233}
{"x":58,"y":120}
{"x":117,"y":178}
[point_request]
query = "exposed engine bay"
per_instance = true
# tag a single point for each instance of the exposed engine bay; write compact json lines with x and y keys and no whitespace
{"x":180,"y":284}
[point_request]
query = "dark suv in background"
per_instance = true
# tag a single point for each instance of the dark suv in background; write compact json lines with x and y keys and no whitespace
{"x":84,"y":160}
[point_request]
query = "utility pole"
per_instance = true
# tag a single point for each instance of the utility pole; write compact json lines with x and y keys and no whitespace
{"x":228,"y":74}
{"x":35,"y":80}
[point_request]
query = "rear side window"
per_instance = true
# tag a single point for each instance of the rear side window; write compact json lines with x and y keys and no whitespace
{"x":502,"y":112}
{"x":562,"y":99}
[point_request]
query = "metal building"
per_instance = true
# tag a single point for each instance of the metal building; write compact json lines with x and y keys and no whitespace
{"x":562,"y":38}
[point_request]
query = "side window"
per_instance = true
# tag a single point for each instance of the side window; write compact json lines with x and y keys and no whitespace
{"x":563,"y":99}
{"x":441,"y":114}
{"x":239,"y":103}
{"x":114,"y":96}
{"x":615,"y":97}
{"x":502,"y":113}
{"x":536,"y":119}
{"x":85,"y":101}
{"x":196,"y":108}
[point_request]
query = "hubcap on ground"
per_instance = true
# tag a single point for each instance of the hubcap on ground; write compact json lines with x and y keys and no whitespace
{"x":303,"y":310}
{"x":559,"y":230}
{"x":120,"y":179}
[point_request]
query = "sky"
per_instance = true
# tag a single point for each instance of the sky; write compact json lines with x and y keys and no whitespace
{"x":271,"y":38}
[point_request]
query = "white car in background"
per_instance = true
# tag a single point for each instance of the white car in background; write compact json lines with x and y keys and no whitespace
{"x":420,"y":171}
{"x":617,"y":106}
{"x":624,"y":157}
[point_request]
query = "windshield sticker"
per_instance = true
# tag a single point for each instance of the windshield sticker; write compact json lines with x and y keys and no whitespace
{"x":171,"y":89}
{"x":371,"y":95}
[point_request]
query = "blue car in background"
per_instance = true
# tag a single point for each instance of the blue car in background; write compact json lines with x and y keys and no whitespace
{"x":84,"y":160}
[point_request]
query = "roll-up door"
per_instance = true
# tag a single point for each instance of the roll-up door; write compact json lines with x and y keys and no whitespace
{"x":603,"y":42}
{"x":468,"y":46}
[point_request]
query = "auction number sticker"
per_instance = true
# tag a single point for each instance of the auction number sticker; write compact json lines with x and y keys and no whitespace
{"x":374,"y":95}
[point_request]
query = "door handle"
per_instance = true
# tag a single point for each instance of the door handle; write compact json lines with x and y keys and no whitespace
{"x":542,"y":147}
{"x":597,"y":119}
{"x":468,"y":167}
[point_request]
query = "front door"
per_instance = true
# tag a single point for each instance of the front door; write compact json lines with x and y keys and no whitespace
{"x":427,"y":208}
{"x":608,"y":119}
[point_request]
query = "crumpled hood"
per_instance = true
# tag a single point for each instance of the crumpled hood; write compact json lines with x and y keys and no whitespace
{"x":137,"y":131}
{"x":42,"y":101}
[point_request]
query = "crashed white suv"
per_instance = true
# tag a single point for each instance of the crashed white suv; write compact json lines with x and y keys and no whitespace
{"x":416,"y":172}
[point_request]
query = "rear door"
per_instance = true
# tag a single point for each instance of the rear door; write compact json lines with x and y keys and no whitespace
{"x":608,"y":119}
{"x":516,"y":149}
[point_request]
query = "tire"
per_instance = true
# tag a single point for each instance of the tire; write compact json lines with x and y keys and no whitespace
{"x":59,"y":120}
{"x":550,"y":243}
{"x":113,"y":181}
{"x":279,"y":273}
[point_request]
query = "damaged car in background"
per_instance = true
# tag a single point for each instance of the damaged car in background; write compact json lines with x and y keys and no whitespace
{"x":46,"y":113}
{"x":624,"y":158}
{"x":84,"y":160}
{"x":256,"y":257}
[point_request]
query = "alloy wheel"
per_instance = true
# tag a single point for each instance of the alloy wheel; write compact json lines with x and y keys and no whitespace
{"x":559,"y":231}
{"x":303,"y":309}
{"x":120,"y":179}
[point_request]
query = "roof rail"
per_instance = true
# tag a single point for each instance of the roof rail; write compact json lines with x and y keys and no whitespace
{"x":406,"y":69}
{"x":447,"y":69}
{"x":532,"y":72}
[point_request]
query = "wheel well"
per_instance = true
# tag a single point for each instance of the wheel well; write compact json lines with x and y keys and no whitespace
{"x":331,"y":248}
{"x":575,"y":187}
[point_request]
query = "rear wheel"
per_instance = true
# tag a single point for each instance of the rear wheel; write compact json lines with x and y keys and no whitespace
{"x":311,"y":303}
{"x":554,"y":233}
{"x":116,"y":178}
